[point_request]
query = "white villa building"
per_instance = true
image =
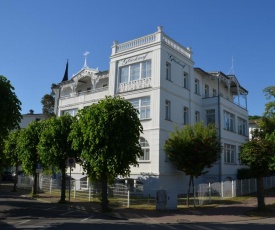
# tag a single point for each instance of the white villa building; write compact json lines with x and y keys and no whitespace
{"x":157,"y":75}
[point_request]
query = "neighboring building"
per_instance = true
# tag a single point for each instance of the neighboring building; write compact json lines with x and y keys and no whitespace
{"x":157,"y":75}
{"x":29,"y":117}
{"x":25,"y":121}
{"x":252,"y":125}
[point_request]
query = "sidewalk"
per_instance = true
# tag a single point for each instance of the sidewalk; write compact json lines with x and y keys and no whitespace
{"x":219,"y":214}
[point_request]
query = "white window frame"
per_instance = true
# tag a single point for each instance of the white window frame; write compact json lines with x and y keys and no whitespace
{"x":242,"y":126}
{"x":135,"y":71}
{"x":168,"y":71}
{"x":145,"y":148}
{"x":230,"y":156}
{"x":197,"y":86}
{"x":168,"y":110}
{"x":185,"y":80}
{"x":185,"y":115}
{"x":210,"y":114}
{"x":229,"y":121}
{"x":214,"y":92}
{"x":206,"y":90}
{"x":143,"y":105}
{"x":72,"y":112}
{"x":197,"y":116}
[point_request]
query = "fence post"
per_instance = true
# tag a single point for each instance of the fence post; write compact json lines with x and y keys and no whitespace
{"x":89,"y":187}
{"x":74,"y":190}
{"x":249,"y":186}
{"x":128,"y":197}
{"x":232,"y":188}
{"x":195,"y":195}
{"x":222,"y":189}
{"x":255,"y":185}
{"x":241,"y":187}
{"x":209,"y":191}
{"x":51,"y":184}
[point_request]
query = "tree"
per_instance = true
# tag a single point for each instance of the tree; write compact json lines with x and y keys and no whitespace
{"x":10,"y":107}
{"x":193,"y":149}
{"x":48,"y":104}
{"x":12,"y":152}
{"x":269,"y":93}
{"x":29,"y":156}
{"x":267,"y":122}
{"x":107,"y":135}
{"x":258,"y":154}
{"x":55,"y":147}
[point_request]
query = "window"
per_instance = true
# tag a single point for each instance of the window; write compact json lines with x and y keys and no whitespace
{"x":197,"y":86}
{"x":229,"y":121}
{"x":124,"y":73}
{"x":197,"y":116}
{"x":210,"y":116}
{"x":214,"y":92}
{"x":167,"y":110}
{"x":72,"y":112}
{"x":230,"y":154}
{"x":185,"y":115}
{"x":168,"y":71}
{"x":135,"y":71}
{"x":146,"y":69}
{"x":143,"y":106}
{"x":185,"y":80}
{"x":206,"y":90}
{"x":242,"y":126}
{"x":145,"y":148}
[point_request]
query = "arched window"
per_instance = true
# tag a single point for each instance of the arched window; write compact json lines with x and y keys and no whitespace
{"x":146,"y":149}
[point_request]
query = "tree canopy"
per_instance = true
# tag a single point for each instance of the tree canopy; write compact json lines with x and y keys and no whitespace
{"x":107,"y":135}
{"x":12,"y":151}
{"x":258,"y":155}
{"x":48,"y":105}
{"x":193,"y":149}
{"x":29,"y":155}
{"x":10,"y":107}
{"x":55,"y":147}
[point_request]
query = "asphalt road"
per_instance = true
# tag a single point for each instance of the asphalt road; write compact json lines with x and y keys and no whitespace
{"x":25,"y":213}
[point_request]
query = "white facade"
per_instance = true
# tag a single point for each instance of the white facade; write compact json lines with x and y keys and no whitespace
{"x":157,"y":75}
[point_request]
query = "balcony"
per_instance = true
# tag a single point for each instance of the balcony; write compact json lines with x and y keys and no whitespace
{"x":134,"y":85}
{"x":84,"y":96}
{"x":235,"y":105}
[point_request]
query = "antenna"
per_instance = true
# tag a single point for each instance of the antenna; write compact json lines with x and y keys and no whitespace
{"x":231,"y":71}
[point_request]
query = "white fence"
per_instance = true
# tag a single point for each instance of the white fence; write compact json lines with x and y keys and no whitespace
{"x":123,"y":195}
{"x":227,"y":189}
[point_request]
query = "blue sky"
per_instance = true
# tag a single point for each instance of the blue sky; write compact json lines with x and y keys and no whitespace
{"x":37,"y":37}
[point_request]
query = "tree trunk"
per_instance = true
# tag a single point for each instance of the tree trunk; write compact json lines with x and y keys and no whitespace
{"x":104,"y":193}
{"x":15,"y":178}
{"x":63,"y":184}
{"x":188,"y":192}
{"x":260,"y":193}
{"x":34,"y":186}
{"x":193,"y":187}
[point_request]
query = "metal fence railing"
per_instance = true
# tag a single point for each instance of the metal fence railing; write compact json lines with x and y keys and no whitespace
{"x":124,"y":195}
